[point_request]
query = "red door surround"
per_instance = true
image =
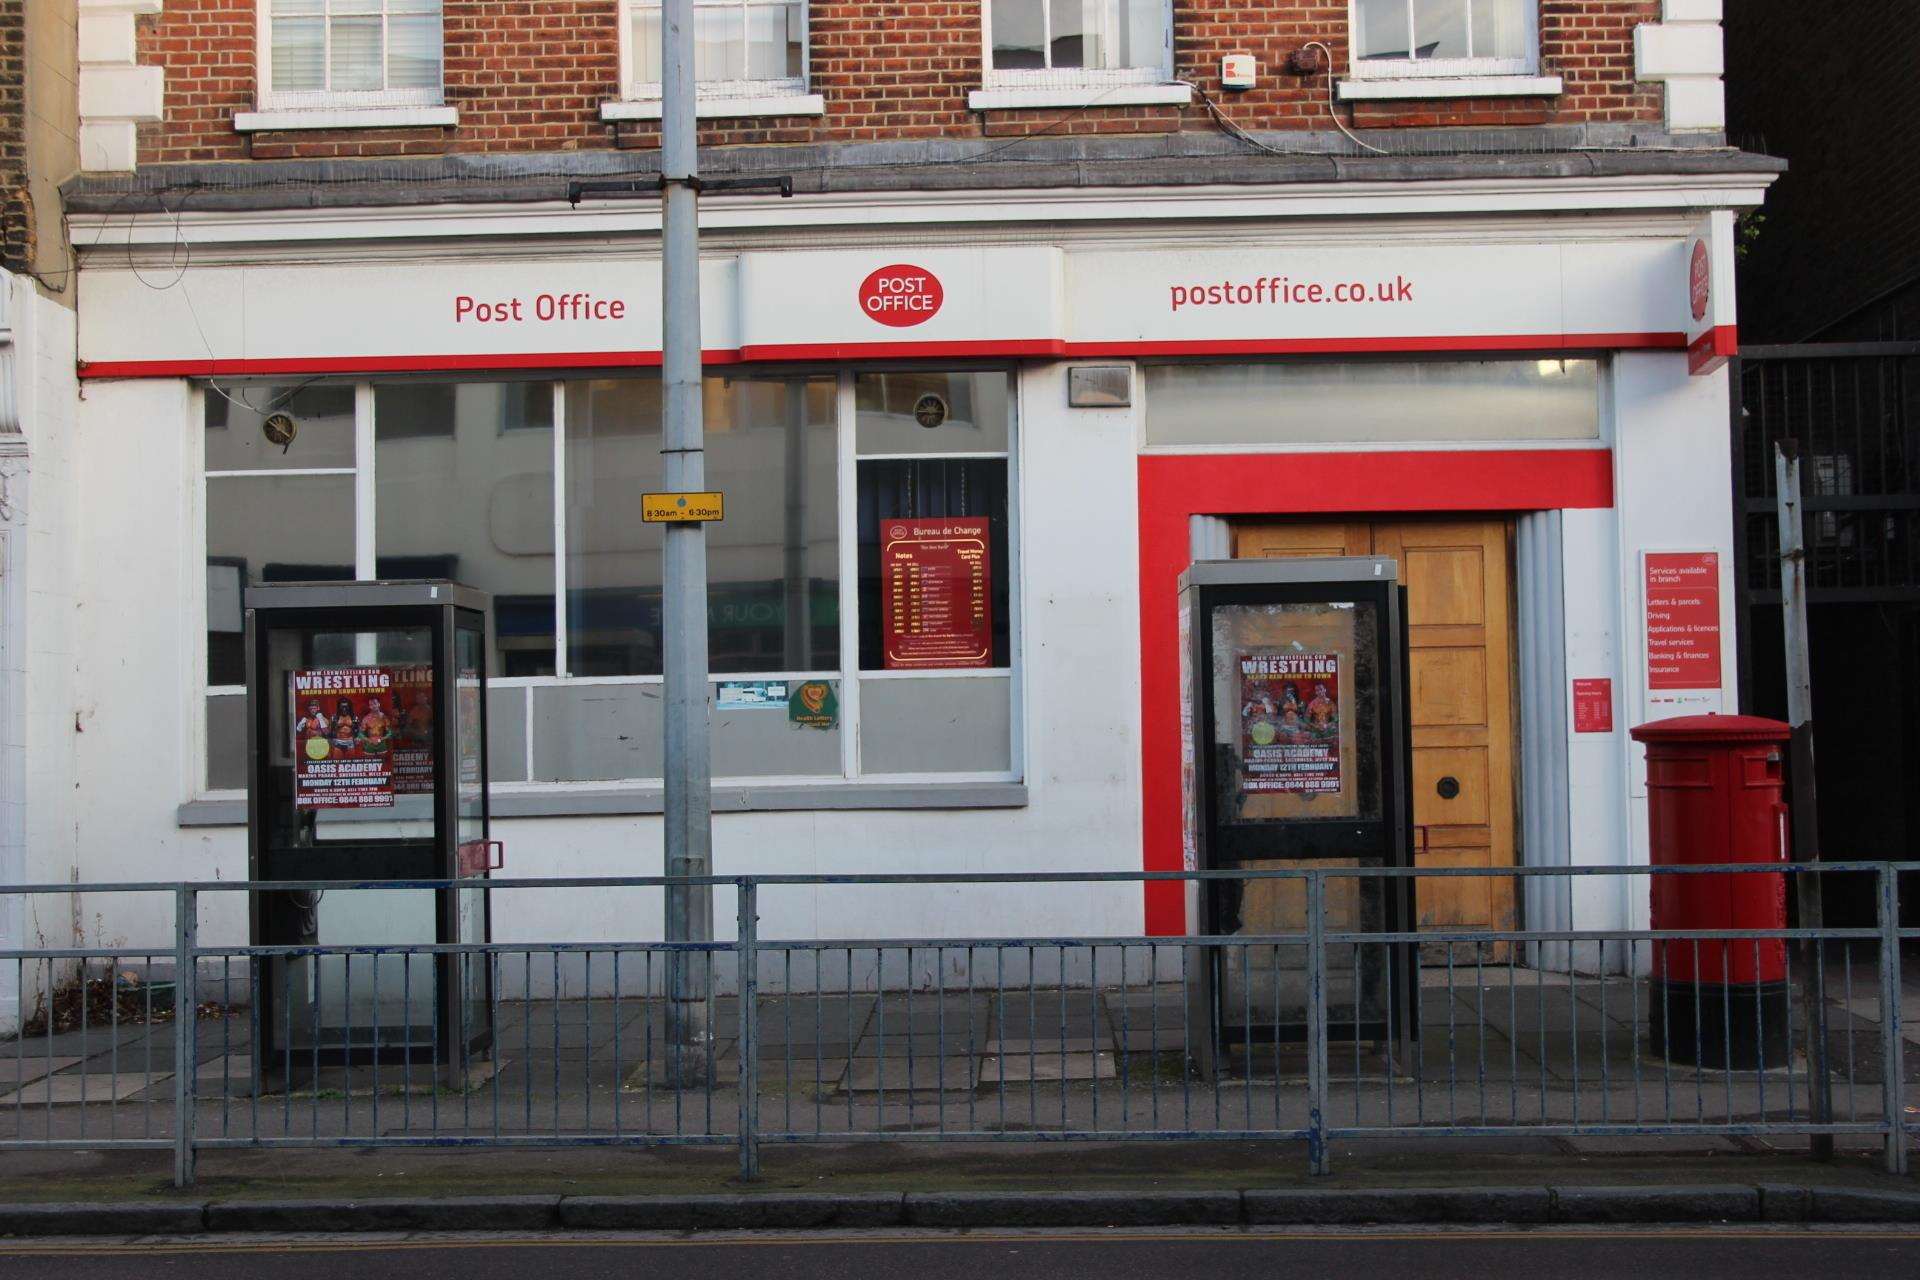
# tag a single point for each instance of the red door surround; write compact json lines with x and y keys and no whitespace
{"x":1174,"y":488}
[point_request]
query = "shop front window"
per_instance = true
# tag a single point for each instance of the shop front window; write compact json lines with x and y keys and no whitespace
{"x":823,"y":667}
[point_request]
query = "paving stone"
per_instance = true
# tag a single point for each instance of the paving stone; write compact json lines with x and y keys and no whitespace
{"x":929,"y":1074}
{"x":17,"y":1070}
{"x":1019,"y":1068}
{"x":65,"y":1090}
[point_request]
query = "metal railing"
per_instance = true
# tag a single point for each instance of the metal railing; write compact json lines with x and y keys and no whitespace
{"x":1312,"y":1022}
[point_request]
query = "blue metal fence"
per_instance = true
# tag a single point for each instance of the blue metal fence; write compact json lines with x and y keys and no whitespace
{"x":1334,"y":1029}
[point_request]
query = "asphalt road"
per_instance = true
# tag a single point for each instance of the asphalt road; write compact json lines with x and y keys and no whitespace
{"x":1398,"y":1255}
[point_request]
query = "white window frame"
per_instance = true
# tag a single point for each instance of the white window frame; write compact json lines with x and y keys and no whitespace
{"x":847,"y":675}
{"x":787,"y":95}
{"x":398,"y":103}
{"x":1442,"y":68}
{"x":1069,"y":78}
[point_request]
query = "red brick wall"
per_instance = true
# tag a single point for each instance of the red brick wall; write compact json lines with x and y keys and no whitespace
{"x":16,"y":221}
{"x":531,"y":74}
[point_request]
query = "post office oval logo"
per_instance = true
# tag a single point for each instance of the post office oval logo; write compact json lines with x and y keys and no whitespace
{"x":1700,"y":279}
{"x":901,"y":296}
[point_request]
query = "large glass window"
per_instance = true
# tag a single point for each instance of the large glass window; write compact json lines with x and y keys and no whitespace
{"x":772,"y":564}
{"x":463,"y":489}
{"x":1443,"y":37}
{"x":1328,"y":401}
{"x":280,"y":504}
{"x":352,"y":52}
{"x":839,"y":620}
{"x":1078,"y":37}
{"x":740,"y":47}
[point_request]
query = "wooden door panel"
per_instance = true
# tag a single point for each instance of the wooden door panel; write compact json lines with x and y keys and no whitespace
{"x":1283,"y":540}
{"x":1460,"y":682}
{"x":1449,"y":687}
{"x":1469,"y":769}
{"x":1446,"y":585}
{"x":1470,"y":902}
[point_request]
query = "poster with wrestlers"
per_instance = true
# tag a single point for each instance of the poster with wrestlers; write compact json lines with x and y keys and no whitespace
{"x":1290,"y":722}
{"x":344,"y":733}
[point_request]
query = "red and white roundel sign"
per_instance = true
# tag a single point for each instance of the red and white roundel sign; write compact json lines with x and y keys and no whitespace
{"x":1700,"y":279}
{"x":901,"y":296}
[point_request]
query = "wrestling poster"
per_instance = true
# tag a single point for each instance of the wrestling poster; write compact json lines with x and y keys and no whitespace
{"x":1290,"y":722}
{"x":344,"y":735}
{"x":413,"y":714}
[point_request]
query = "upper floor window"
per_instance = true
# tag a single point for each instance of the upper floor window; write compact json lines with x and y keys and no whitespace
{"x":1078,"y":41}
{"x":372,"y":53}
{"x":741,"y":47}
{"x":1444,"y":37}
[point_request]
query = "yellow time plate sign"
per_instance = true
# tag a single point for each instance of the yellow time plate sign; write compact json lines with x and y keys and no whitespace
{"x":682,"y":508}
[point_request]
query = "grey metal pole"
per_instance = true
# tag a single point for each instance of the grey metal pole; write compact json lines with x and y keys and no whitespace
{"x":689,"y":823}
{"x":1806,"y":815}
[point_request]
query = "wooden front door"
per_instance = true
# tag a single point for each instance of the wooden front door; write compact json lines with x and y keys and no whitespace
{"x":1460,"y":636}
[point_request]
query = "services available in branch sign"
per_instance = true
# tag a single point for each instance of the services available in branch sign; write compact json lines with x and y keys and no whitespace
{"x":936,"y":602}
{"x":1290,"y":722}
{"x":1683,"y":619}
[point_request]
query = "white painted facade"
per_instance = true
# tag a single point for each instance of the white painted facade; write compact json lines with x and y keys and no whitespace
{"x":41,"y":584}
{"x":1529,"y":268}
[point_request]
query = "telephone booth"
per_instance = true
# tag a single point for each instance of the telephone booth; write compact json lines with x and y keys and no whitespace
{"x":367,"y":751}
{"x":1296,"y":756}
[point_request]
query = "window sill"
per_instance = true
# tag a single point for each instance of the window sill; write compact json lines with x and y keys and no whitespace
{"x":1363,"y":90}
{"x":784,"y":104}
{"x":566,"y":802}
{"x":345,"y":118}
{"x":1092,"y":95}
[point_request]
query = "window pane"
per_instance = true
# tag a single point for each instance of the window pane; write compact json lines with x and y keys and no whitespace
{"x":298,"y":6}
{"x":1382,"y":29}
{"x":969,"y":411}
{"x":356,"y":54}
{"x":269,"y":529}
{"x":1018,"y":34}
{"x":1310,"y":401}
{"x":1440,"y":29}
{"x":974,"y":715}
{"x":299,"y":53}
{"x":646,"y":46}
{"x":1500,"y":28}
{"x":1074,"y":42}
{"x":322,"y":417}
{"x":772,"y":565}
{"x":929,"y":489}
{"x":774,"y":45}
{"x":463,"y":476}
{"x":719,"y":43}
{"x":413,"y":61}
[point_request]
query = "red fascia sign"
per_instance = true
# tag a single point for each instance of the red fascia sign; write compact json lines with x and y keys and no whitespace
{"x":1683,"y":619}
{"x":901,"y":296}
{"x":1713,"y":337}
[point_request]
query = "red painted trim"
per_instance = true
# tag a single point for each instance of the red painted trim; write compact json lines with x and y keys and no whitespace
{"x":272,"y":366}
{"x":1176,"y":487}
{"x":1361,"y":346}
{"x":1713,"y":348}
{"x":789,"y":351}
{"x":1017,"y":348}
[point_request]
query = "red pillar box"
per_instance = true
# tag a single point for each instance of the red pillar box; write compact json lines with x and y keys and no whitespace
{"x":1714,"y":786}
